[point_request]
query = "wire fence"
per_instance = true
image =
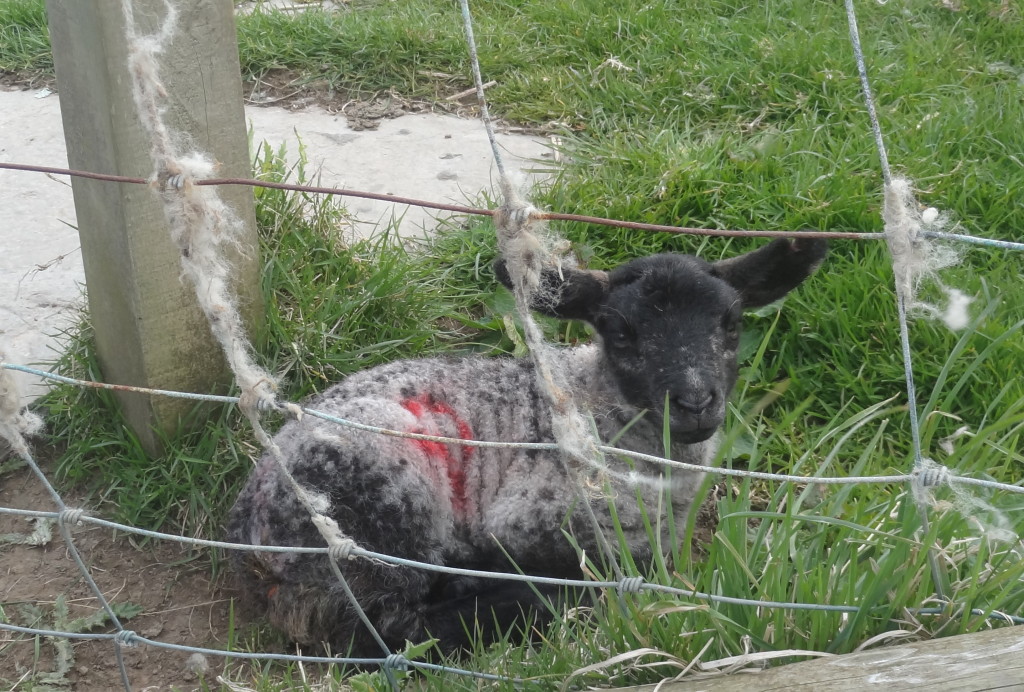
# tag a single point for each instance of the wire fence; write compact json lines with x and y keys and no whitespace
{"x":923,"y":477}
{"x":539,"y":215}
{"x":68,"y":517}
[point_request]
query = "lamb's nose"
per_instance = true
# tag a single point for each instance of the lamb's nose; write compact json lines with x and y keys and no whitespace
{"x":694,"y":405}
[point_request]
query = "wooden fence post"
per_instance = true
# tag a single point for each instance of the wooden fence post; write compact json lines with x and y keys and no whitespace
{"x":986,"y":660}
{"x":149,"y":330}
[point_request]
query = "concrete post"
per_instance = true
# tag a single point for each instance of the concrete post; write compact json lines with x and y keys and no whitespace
{"x":149,"y":329}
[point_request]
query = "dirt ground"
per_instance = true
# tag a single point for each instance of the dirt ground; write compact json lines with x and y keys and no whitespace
{"x":169,"y":586}
{"x":287,"y":89}
{"x":167,"y":589}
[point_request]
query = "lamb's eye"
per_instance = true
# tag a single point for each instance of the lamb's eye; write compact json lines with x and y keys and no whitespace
{"x":620,"y":338}
{"x":731,"y":324}
{"x":616,"y":332}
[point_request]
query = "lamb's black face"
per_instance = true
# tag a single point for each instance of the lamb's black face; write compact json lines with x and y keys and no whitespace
{"x":670,"y":324}
{"x":670,"y":329}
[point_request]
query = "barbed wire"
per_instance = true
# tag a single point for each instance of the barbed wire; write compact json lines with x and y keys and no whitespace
{"x":67,"y":517}
{"x":540,"y":215}
{"x":396,"y":661}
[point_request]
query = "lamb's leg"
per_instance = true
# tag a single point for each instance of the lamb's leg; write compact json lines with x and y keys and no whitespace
{"x":468,"y":609}
{"x":317,"y":611}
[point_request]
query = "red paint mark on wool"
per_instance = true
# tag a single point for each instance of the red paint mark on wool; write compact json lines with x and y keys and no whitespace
{"x":433,"y":414}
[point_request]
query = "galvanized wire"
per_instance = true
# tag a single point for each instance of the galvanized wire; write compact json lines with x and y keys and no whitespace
{"x":124,"y":637}
{"x":950,"y":477}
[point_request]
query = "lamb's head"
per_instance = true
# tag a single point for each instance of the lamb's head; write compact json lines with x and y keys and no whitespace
{"x":669,"y":324}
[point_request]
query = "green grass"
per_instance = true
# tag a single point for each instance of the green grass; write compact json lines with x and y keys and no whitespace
{"x":24,"y":37}
{"x":731,"y":116}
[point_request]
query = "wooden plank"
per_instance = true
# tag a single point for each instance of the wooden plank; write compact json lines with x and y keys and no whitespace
{"x":149,"y":330}
{"x":991,"y":660}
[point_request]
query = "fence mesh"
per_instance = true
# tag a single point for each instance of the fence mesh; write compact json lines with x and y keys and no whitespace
{"x":183,"y":190}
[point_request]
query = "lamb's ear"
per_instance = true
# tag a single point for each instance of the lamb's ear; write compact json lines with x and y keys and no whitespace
{"x":770,"y":272}
{"x":566,"y":293}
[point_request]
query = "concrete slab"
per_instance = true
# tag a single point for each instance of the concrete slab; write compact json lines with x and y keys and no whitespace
{"x":426,"y":156}
{"x":40,"y":267}
{"x":434,"y":157}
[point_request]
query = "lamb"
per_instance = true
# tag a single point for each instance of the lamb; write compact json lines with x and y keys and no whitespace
{"x":667,"y":328}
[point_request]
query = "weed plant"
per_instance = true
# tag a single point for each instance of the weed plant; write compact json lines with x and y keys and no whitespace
{"x":714,"y":114}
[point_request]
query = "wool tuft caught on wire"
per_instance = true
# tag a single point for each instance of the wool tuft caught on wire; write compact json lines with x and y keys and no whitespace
{"x":16,"y":421}
{"x":916,"y":259}
{"x":201,"y":225}
{"x":991,"y":522}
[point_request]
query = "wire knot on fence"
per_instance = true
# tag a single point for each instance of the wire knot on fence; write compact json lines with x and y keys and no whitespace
{"x":396,"y":662}
{"x":71,"y":516}
{"x":630,"y":585}
{"x":931,"y":474}
{"x":127,"y":638}
{"x":339,"y":546}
